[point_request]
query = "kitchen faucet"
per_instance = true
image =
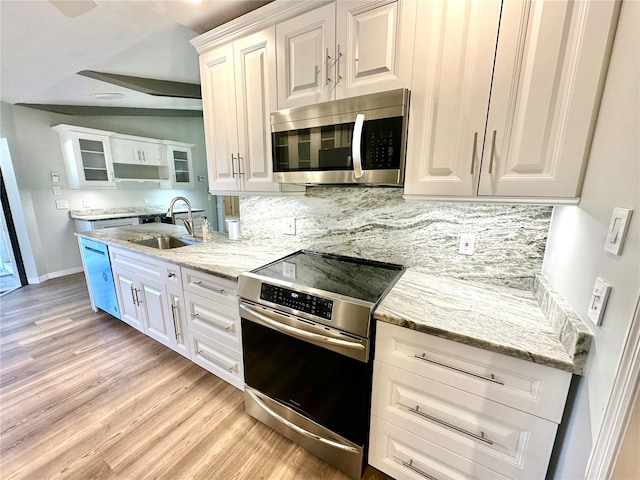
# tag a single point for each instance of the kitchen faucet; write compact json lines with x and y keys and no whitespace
{"x":187,"y":223}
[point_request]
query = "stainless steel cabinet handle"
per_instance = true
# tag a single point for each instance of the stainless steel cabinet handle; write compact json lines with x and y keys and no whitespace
{"x":240,"y":169}
{"x":355,"y":146}
{"x":197,"y":282}
{"x":338,"y":57}
{"x":493,"y":151}
{"x":480,"y":437}
{"x":233,"y":165}
{"x":195,"y":315}
{"x":417,"y":470}
{"x":491,"y":378}
{"x":475,"y":151}
{"x":298,"y":429}
{"x":296,"y":332}
{"x":171,"y":274}
{"x":175,"y":324}
{"x":326,"y":65}
{"x":134,"y":295}
{"x":217,"y":362}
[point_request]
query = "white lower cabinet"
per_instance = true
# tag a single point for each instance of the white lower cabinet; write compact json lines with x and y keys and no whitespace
{"x":150,"y":297}
{"x":441,"y":409}
{"x":213,"y":325}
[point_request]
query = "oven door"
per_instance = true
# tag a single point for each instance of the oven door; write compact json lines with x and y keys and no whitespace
{"x":294,"y":386}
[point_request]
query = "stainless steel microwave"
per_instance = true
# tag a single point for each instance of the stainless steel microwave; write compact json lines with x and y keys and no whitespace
{"x":359,"y":140}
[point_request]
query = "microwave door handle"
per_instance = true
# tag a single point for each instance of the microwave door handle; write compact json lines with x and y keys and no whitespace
{"x":355,"y":146}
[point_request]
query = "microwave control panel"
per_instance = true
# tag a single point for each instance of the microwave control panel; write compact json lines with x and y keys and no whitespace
{"x":382,"y":143}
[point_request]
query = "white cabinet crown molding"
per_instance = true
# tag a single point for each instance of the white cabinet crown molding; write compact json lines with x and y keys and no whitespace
{"x":269,"y":14}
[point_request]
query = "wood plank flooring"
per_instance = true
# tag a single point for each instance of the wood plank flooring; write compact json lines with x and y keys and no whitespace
{"x":85,"y":396}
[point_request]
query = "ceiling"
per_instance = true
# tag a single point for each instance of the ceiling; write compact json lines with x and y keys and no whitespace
{"x":44,"y":44}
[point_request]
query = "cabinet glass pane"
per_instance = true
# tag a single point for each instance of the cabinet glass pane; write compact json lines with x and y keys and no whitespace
{"x":178,"y":155}
{"x":93,"y":160}
{"x":182,"y":177}
{"x":91,"y":145}
{"x":95,"y":175}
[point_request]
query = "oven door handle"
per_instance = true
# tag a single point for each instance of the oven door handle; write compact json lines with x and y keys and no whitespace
{"x":303,"y":334}
{"x":296,"y":428}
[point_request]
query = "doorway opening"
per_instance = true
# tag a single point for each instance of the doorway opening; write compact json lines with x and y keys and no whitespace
{"x":12,"y":272}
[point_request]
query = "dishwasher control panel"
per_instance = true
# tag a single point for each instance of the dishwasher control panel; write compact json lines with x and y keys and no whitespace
{"x":303,"y":302}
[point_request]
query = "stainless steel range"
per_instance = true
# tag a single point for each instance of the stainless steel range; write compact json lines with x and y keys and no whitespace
{"x":307,"y":335}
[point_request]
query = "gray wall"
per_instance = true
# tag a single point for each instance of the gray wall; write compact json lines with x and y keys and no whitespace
{"x":377,"y":223}
{"x":575,"y":254}
{"x":35,"y":151}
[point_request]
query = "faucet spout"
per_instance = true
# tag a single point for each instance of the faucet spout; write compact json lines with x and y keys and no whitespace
{"x":187,"y":223}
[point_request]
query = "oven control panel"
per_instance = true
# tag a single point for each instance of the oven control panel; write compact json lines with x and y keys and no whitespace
{"x":303,"y":302}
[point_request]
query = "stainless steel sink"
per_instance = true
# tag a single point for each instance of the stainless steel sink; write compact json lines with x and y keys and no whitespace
{"x":165,"y":242}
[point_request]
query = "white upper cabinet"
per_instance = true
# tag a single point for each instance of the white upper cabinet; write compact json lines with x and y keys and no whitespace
{"x":374,"y":46}
{"x":137,"y":151}
{"x":532,"y":138}
{"x":219,"y":112}
{"x":345,"y":49}
{"x":180,"y":164}
{"x":306,"y":58}
{"x":239,"y":94}
{"x":87,"y":156}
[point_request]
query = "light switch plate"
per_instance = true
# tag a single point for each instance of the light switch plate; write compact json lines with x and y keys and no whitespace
{"x":467,"y":243}
{"x":598,"y":300}
{"x":57,"y":191}
{"x":620,"y":219}
{"x":62,"y":204}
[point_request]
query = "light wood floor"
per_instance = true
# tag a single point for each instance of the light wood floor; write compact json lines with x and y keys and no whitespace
{"x":85,"y":396}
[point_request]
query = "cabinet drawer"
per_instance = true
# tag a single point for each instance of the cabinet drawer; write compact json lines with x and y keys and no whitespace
{"x":501,"y":438}
{"x":404,"y":455}
{"x":216,"y":320}
{"x":217,"y":358}
{"x":524,"y":385}
{"x":137,"y":263}
{"x":209,"y":286}
{"x":171,"y":274}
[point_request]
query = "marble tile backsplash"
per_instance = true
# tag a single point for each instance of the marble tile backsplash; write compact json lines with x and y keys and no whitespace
{"x":378,"y":223}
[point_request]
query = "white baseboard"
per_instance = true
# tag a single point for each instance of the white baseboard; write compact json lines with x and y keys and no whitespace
{"x":51,"y":275}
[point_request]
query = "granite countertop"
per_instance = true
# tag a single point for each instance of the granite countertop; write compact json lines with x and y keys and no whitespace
{"x":218,"y":256}
{"x":537,"y":326}
{"x":124,"y":212}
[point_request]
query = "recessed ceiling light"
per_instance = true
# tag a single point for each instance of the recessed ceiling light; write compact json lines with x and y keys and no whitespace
{"x":107,"y":96}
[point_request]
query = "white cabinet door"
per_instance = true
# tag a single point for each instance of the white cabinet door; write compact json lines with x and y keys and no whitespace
{"x":87,"y":156}
{"x":156,"y":314}
{"x":374,"y":44}
{"x":152,"y":154}
{"x":453,"y":61}
{"x":126,"y":151}
{"x":181,"y":165}
{"x":306,"y":58}
{"x":128,"y":294}
{"x":549,"y":66}
{"x":220,"y":122}
{"x":255,"y":76}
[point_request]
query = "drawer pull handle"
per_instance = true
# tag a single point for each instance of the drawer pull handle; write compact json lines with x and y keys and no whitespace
{"x":172,"y":274}
{"x":197,"y":282}
{"x":480,"y":437}
{"x":221,"y":291}
{"x":195,"y":315}
{"x":410,"y":466}
{"x":220,"y":363}
{"x":490,"y":378}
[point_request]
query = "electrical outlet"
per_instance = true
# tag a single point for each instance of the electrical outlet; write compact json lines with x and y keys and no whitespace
{"x":147,"y":201}
{"x":467,"y":243}
{"x":62,"y":204}
{"x":55,"y":177}
{"x":598,"y":300}
{"x":57,"y":191}
{"x":86,"y":203}
{"x":289,"y":226}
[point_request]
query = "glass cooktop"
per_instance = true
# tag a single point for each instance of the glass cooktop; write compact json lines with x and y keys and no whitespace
{"x":352,"y":277}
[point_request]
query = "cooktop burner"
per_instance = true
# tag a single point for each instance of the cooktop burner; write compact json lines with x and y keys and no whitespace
{"x":335,"y":290}
{"x":352,"y":277}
